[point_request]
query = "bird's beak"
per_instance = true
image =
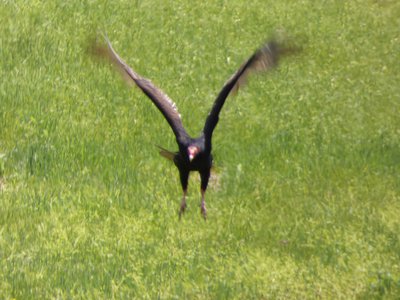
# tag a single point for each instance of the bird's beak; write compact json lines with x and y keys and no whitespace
{"x":191,"y":156}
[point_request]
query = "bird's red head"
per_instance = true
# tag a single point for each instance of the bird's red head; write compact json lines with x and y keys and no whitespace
{"x":192,"y":152}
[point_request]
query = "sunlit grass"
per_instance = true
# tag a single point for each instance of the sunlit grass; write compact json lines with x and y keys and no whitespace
{"x":304,"y":202}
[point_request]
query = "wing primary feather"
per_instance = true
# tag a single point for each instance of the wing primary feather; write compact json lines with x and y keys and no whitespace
{"x":264,"y":59}
{"x":166,"y":106}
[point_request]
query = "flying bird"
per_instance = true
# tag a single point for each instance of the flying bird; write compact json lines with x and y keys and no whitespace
{"x":194,"y":153}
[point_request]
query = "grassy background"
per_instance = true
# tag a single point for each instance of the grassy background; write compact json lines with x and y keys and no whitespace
{"x":305,"y":200}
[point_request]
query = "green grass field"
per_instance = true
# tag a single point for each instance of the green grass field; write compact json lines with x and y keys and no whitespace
{"x":305,"y":198}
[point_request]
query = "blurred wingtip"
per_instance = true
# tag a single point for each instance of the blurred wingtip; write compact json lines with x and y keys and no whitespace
{"x":100,"y":49}
{"x":99,"y":46}
{"x":285,"y":43}
{"x":268,"y":56}
{"x":96,"y":47}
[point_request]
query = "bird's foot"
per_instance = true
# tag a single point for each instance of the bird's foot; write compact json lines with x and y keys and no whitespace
{"x":203,"y":210}
{"x":182,"y":209}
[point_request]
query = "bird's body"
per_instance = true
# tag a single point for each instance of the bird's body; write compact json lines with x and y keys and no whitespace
{"x":194,"y":154}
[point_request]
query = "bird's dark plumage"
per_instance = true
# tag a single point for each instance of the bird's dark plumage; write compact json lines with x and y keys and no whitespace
{"x":194,"y":153}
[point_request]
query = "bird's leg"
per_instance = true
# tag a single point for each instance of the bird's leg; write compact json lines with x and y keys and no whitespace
{"x":205,"y":176}
{"x":184,"y":177}
{"x":203,"y":204}
{"x":183,"y":204}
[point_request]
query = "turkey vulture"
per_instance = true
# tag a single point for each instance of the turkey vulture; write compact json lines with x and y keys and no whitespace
{"x":194,"y":153}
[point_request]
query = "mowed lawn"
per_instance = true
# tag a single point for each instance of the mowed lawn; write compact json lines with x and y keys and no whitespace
{"x":304,"y":201}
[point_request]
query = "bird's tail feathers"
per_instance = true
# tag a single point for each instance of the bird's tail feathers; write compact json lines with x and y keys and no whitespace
{"x":166,"y":153}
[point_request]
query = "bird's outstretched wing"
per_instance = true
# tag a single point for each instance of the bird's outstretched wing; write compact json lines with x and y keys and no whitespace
{"x":158,"y":97}
{"x":263,"y":59}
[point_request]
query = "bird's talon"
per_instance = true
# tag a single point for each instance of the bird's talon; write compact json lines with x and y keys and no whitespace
{"x":182,"y":210}
{"x":204,"y":212}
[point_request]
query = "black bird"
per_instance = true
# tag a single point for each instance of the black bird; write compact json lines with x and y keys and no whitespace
{"x":194,"y":153}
